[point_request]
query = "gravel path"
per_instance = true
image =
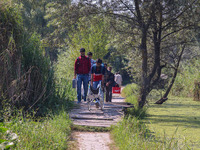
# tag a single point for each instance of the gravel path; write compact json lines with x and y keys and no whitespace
{"x":95,"y":140}
{"x":92,"y":140}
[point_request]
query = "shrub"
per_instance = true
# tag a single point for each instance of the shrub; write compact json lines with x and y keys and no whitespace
{"x":27,"y":78}
{"x":188,"y":75}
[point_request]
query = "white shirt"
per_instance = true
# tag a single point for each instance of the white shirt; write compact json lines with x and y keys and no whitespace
{"x":118,"y":79}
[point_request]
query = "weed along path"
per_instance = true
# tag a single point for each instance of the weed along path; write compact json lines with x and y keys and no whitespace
{"x":94,"y":124}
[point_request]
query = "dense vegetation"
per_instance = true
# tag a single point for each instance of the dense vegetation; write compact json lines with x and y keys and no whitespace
{"x":29,"y":89}
{"x":39,"y":41}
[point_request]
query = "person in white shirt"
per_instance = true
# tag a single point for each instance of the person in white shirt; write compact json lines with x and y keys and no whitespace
{"x":118,"y":79}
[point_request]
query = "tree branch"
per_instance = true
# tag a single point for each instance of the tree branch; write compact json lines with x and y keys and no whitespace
{"x":173,"y":19}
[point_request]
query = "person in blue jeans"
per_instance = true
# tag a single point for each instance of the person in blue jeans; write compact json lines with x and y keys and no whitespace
{"x":97,"y":74}
{"x":82,"y":68}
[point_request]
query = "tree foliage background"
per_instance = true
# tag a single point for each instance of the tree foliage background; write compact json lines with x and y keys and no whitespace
{"x":142,"y":39}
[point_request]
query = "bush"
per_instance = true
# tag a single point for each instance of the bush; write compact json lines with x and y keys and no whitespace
{"x":184,"y":83}
{"x":130,"y":89}
{"x":131,"y":94}
{"x":27,"y":78}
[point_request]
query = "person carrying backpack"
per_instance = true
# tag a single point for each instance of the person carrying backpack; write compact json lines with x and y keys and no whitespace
{"x":97,"y":74}
{"x":82,"y":68}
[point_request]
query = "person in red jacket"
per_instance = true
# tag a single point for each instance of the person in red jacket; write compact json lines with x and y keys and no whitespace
{"x":82,"y":68}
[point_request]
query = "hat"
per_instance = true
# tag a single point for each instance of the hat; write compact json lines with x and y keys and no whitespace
{"x":82,"y":50}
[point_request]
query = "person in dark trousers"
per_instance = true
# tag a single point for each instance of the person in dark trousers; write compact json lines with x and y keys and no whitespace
{"x":109,"y":85}
{"x":105,"y":75}
{"x":82,"y":68}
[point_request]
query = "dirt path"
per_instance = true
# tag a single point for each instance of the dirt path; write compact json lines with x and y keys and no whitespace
{"x":92,"y":140}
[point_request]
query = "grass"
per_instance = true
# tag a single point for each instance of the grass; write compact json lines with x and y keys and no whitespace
{"x":90,"y":128}
{"x":49,"y":133}
{"x":132,"y":133}
{"x":173,"y":125}
{"x":177,"y":113}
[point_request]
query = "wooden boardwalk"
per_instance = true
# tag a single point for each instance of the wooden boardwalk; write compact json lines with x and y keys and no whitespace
{"x":112,"y":113}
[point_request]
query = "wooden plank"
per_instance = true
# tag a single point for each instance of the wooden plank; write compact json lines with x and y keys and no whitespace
{"x":120,"y":106}
{"x":119,"y":103}
{"x":94,"y":123}
{"x":91,"y":113}
{"x":90,"y":118}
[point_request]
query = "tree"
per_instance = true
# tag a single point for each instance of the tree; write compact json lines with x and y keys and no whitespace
{"x":90,"y":33}
{"x":150,"y":24}
{"x":37,"y":17}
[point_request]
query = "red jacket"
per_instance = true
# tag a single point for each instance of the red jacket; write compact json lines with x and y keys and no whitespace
{"x":82,"y":65}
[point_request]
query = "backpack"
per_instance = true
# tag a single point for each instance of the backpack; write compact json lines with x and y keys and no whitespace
{"x":78,"y":60}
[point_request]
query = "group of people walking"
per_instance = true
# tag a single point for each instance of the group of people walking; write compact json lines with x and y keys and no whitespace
{"x":88,"y":71}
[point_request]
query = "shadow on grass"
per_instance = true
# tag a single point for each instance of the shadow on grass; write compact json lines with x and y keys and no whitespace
{"x":190,"y":121}
{"x":177,"y":105}
{"x":176,"y":112}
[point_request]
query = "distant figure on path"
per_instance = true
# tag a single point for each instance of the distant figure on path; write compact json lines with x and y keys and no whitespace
{"x":118,"y":79}
{"x":82,"y":68}
{"x":109,"y":85}
{"x":105,"y":76}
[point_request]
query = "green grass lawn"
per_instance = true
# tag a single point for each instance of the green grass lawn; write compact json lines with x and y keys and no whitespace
{"x":178,"y":113}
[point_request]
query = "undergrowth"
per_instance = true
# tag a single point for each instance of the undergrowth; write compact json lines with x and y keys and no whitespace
{"x":188,"y":75}
{"x":132,"y":133}
{"x":51,"y":132}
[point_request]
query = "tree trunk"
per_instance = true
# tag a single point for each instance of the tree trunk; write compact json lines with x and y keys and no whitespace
{"x":197,"y":91}
{"x":164,"y":98}
{"x":143,"y":90}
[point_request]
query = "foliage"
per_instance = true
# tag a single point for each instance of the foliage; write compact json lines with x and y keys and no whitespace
{"x":189,"y":74}
{"x":25,"y":69}
{"x":37,"y":17}
{"x":8,"y":140}
{"x":130,"y":89}
{"x":60,"y":27}
{"x":27,"y":78}
{"x":131,"y":94}
{"x":154,"y":30}
{"x":90,"y":33}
